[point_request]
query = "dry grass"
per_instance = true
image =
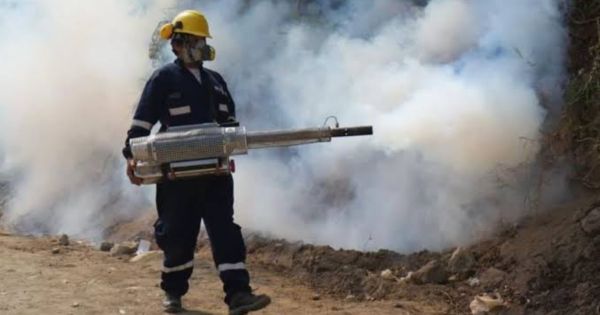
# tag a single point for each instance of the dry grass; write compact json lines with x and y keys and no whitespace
{"x":578,"y":134}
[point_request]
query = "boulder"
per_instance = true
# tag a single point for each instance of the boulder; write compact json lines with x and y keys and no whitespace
{"x":63,"y":240}
{"x":432,"y":272}
{"x":591,"y":222}
{"x":486,"y":304}
{"x":125,"y":248}
{"x":461,"y":262}
{"x":387,"y":275}
{"x":106,"y":246}
{"x":492,"y":277}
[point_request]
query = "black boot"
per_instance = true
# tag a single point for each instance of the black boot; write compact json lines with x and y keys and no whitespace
{"x":172,"y":304}
{"x":244,"y":302}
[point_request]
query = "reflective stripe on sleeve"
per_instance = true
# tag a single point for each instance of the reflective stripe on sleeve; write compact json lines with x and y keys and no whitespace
{"x":185,"y":266}
{"x":236,"y":266}
{"x":142,"y":124}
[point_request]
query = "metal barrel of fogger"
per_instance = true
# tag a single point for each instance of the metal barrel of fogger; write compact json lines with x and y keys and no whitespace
{"x":211,"y":142}
{"x":279,"y":138}
{"x":194,"y":151}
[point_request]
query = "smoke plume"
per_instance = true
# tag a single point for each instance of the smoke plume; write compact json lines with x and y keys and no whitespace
{"x":457,"y":92}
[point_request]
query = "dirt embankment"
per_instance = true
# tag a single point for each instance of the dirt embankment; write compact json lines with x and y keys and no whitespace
{"x":546,"y":265}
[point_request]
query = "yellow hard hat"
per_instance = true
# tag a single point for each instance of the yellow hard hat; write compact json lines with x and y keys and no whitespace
{"x":188,"y":22}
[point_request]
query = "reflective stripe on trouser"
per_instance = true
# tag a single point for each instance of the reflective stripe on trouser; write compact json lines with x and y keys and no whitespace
{"x":181,"y":206}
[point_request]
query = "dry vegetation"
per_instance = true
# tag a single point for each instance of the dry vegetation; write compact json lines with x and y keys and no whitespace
{"x":579,"y":132}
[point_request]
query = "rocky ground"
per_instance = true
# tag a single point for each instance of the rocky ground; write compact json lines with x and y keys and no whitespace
{"x":547,"y":264}
{"x":53,"y":275}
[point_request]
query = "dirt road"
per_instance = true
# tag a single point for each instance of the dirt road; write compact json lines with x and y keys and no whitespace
{"x":80,"y":279}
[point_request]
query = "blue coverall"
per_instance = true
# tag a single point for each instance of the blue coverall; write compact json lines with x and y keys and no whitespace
{"x":175,"y":96}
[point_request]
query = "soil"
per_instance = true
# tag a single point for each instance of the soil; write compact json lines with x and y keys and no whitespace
{"x":80,"y":279}
{"x":548,"y":264}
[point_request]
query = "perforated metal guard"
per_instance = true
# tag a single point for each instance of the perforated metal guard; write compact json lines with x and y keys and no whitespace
{"x":190,"y":145}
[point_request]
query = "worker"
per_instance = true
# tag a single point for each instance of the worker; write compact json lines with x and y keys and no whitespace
{"x":185,"y":93}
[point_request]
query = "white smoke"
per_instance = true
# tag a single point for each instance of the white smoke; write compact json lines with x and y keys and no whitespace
{"x":452,"y":89}
{"x":71,"y":72}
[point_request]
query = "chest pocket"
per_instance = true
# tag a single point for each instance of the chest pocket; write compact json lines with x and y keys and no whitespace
{"x":178,"y":110}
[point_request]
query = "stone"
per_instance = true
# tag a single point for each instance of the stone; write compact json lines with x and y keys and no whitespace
{"x":492,"y":277}
{"x":147,"y":256}
{"x":316,"y":297}
{"x":387,"y":275}
{"x":473,"y":282}
{"x":55,"y":250}
{"x":591,"y":222}
{"x":122,"y":249}
{"x":75,"y":304}
{"x":432,"y":272}
{"x":63,"y":240}
{"x":461,"y":262}
{"x":486,"y":303}
{"x":106,"y":246}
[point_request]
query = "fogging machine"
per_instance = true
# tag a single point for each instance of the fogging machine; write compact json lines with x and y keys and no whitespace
{"x":204,"y":149}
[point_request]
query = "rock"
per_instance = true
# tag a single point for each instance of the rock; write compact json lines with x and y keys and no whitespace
{"x":432,"y":272}
{"x":143,"y":247}
{"x":350,"y":297}
{"x":387,"y":274}
{"x":316,"y":297}
{"x":473,"y":282}
{"x":125,"y":248}
{"x":75,"y":304}
{"x":591,"y":222}
{"x":106,"y":246}
{"x":55,"y":250}
{"x":147,"y":256}
{"x":461,"y":262}
{"x":486,"y":303}
{"x":63,"y":240}
{"x":492,"y":277}
{"x":590,"y":251}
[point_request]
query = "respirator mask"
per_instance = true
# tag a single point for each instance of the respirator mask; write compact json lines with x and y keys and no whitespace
{"x":195,"y":49}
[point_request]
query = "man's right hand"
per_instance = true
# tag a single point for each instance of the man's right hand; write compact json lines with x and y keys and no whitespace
{"x":130,"y":173}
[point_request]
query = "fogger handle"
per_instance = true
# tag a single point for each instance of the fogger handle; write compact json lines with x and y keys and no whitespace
{"x":352,"y":131}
